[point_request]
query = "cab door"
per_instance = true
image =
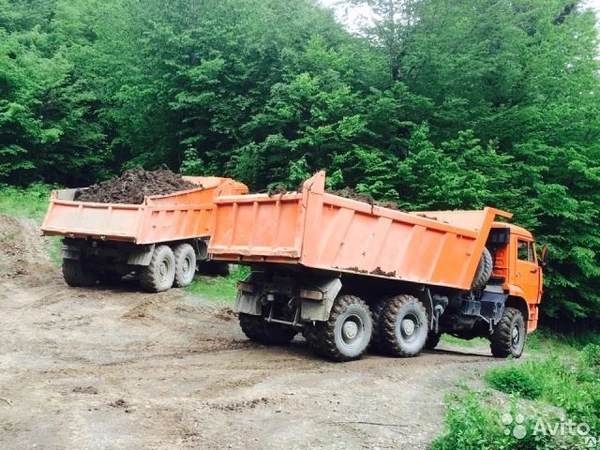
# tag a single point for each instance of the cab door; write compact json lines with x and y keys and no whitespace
{"x":527,"y":271}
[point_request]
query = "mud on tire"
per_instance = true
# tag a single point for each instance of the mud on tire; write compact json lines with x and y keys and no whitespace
{"x":509,"y":335}
{"x":347,"y":333}
{"x":159,"y":275}
{"x":77,"y":274}
{"x":404,"y":326}
{"x":258,"y":330}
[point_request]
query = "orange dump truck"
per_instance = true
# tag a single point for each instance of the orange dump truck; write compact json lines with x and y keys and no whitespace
{"x":350,"y":275}
{"x":161,"y":240}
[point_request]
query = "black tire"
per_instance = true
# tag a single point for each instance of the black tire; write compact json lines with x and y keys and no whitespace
{"x":508,"y":338}
{"x":185,"y":265}
{"x":347,"y":333}
{"x":433,"y":339}
{"x":77,"y":274}
{"x":263,"y":332}
{"x":484,"y":270}
{"x":110,"y":278}
{"x":404,"y":326}
{"x":376,"y":311}
{"x":159,"y":275}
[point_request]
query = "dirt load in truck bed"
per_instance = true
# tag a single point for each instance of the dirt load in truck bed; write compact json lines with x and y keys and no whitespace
{"x":134,"y":185}
{"x":350,"y":193}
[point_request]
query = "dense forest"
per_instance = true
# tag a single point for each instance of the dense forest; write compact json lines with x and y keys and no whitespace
{"x":435,"y":104}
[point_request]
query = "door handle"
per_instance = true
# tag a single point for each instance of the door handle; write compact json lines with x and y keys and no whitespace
{"x":533,"y":271}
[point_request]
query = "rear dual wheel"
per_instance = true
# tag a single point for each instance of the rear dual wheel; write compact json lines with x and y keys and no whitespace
{"x":169,"y":268}
{"x":401,"y":326}
{"x":78,"y":274}
{"x":257,"y":329}
{"x":347,"y":333}
{"x":159,"y":275}
{"x":185,"y":265}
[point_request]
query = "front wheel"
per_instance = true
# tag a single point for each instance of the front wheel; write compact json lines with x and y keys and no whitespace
{"x":347,"y":333}
{"x":509,"y":335}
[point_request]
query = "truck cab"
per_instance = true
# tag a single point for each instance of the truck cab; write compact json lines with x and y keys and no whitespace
{"x":517,"y":268}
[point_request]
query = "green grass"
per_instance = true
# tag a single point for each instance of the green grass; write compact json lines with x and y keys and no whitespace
{"x":221,"y":289}
{"x":451,"y":340}
{"x":541,"y":390}
{"x":26,"y":203}
{"x":549,"y":342}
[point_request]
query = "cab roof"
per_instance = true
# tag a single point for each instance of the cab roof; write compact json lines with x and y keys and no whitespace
{"x":514,"y":229}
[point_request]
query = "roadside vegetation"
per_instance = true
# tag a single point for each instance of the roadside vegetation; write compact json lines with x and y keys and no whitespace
{"x":221,"y":289}
{"x":543,"y":403}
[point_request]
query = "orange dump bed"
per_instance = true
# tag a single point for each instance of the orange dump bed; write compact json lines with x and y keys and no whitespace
{"x":325,"y":231}
{"x":161,"y":218}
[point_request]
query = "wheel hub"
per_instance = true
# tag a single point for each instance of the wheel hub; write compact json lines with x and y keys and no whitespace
{"x":408,"y":327}
{"x":515,"y":335}
{"x":163,"y":270}
{"x":350,"y":329}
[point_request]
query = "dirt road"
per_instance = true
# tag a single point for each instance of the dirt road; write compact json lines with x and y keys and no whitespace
{"x":114,"y":368}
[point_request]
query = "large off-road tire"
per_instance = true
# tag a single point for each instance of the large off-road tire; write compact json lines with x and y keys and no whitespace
{"x":376,"y":312}
{"x":484,"y":270}
{"x":263,"y":332}
{"x":433,"y":339}
{"x":159,"y":275}
{"x":347,"y":333}
{"x":77,"y":274}
{"x":185,"y":265}
{"x":509,"y":335}
{"x":404,"y":326}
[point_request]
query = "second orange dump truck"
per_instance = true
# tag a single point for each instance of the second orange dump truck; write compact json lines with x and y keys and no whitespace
{"x":160,"y":241}
{"x":350,"y":275}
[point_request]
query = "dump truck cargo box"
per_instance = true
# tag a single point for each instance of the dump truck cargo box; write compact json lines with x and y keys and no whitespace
{"x":323,"y":231}
{"x":162,"y":218}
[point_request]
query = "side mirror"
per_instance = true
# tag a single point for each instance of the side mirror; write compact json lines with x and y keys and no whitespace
{"x":544,"y":258}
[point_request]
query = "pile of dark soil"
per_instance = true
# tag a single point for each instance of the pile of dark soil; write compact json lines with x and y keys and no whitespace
{"x":350,"y":193}
{"x":133,"y":186}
